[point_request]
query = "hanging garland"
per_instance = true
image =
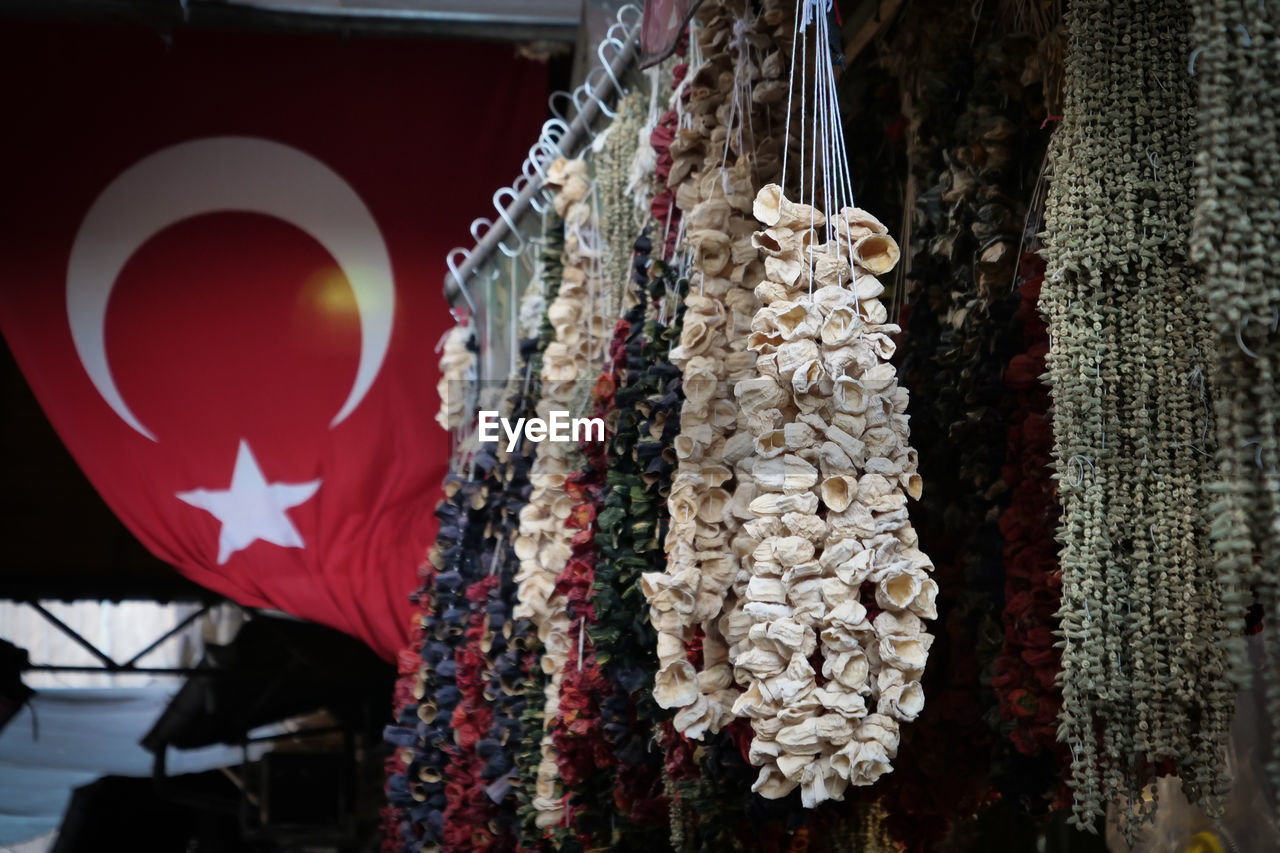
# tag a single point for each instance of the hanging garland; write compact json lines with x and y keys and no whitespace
{"x":629,"y":540}
{"x":457,"y":373}
{"x":544,"y":545}
{"x":843,"y":447}
{"x":585,"y":763}
{"x":1027,"y":670}
{"x":442,"y":628}
{"x":408,"y":805}
{"x":1234,"y":236}
{"x":1144,"y":689}
{"x":525,"y":640}
{"x":718,"y":160}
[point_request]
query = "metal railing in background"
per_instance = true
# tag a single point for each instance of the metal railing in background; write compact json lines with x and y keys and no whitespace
{"x":559,"y":137}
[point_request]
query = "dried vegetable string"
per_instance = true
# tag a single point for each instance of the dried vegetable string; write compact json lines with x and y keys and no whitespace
{"x":1235,"y":236}
{"x":943,"y":763}
{"x":595,"y":222}
{"x":833,"y":572}
{"x":585,"y":765}
{"x":1026,"y":672}
{"x":1143,"y":675}
{"x":827,"y":417}
{"x":971,"y":168}
{"x":543,"y":545}
{"x":410,"y":801}
{"x":503,"y":643}
{"x":470,"y":812}
{"x":453,"y":559}
{"x":629,"y":541}
{"x":718,"y":161}
{"x":525,"y":633}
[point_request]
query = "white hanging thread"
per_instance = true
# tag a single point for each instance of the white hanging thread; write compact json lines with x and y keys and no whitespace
{"x":822,"y":145}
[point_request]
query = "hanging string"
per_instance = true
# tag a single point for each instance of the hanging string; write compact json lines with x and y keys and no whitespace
{"x":791,"y":87}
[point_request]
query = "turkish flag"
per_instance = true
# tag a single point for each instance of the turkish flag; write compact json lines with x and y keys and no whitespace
{"x":221,"y":259}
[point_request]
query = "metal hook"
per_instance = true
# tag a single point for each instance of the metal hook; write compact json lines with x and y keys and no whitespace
{"x":534,"y":163}
{"x":551,"y":103}
{"x":579,"y":95}
{"x":520,"y":184}
{"x":607,"y":64}
{"x":1191,"y":64}
{"x":591,"y":92}
{"x":555,"y":124}
{"x":1240,"y":327}
{"x":636,"y":15}
{"x":539,"y":162}
{"x":1257,"y":453}
{"x":457,"y":279}
{"x":620,"y":36}
{"x":548,"y":151}
{"x":476,"y":234}
{"x":505,"y":216}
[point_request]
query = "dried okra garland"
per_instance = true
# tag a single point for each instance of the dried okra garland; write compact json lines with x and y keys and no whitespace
{"x":1234,"y":235}
{"x":1144,"y":681}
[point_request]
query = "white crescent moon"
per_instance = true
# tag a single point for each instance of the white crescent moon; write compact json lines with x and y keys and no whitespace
{"x":217,"y":174}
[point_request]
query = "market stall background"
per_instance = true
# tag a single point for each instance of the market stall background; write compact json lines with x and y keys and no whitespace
{"x":995,"y":418}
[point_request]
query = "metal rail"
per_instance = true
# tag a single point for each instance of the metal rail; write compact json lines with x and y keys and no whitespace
{"x":572,"y":134}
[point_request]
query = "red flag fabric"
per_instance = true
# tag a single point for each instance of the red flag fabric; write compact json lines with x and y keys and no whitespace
{"x":663,"y":24}
{"x":221,"y":259}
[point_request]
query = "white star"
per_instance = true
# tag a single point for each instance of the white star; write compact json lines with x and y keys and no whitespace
{"x":252,"y":508}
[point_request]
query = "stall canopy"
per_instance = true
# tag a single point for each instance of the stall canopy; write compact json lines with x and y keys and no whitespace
{"x":221,"y":272}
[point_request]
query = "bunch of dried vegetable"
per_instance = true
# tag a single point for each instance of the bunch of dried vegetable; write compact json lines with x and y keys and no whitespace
{"x":834,"y":574}
{"x":721,"y":154}
{"x":1143,"y":620}
{"x":1235,"y":236}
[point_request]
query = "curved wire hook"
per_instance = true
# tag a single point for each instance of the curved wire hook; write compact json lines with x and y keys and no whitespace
{"x":535,"y":163}
{"x":591,"y":93}
{"x":505,"y":215}
{"x":1240,"y":327}
{"x":539,"y":155}
{"x":529,"y":174}
{"x":620,"y":36}
{"x":549,"y":152}
{"x":607,"y":64}
{"x":531,"y":162}
{"x":551,"y":103}
{"x":553,"y":124}
{"x":636,"y":15}
{"x":520,"y":183}
{"x":477,"y":234}
{"x":457,"y":279}
{"x":579,"y":96}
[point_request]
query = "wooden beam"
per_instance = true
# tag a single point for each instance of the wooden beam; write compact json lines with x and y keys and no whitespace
{"x":868,"y":20}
